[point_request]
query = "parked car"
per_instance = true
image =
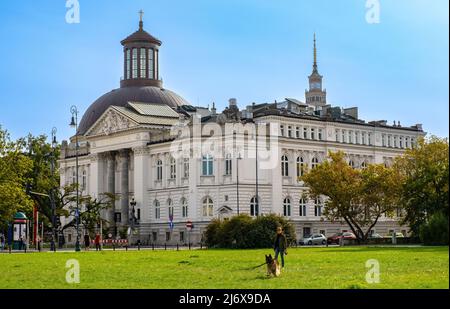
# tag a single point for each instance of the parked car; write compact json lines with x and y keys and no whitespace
{"x":375,"y":235}
{"x":315,"y":239}
{"x":336,"y":237}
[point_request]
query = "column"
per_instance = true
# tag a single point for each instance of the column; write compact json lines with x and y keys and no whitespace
{"x":124,"y":185}
{"x":141,"y":181}
{"x":110,"y":185}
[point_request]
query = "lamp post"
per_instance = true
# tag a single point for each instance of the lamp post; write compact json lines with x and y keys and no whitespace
{"x":237,"y":182}
{"x":74,"y":124}
{"x":52,"y":196}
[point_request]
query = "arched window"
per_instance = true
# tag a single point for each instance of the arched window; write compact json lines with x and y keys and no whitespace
{"x":207,"y":165}
{"x":351,"y":163}
{"x":287,"y":207}
{"x":302,"y":208}
{"x":364,"y":165}
{"x":317,"y":207}
{"x":314,"y":162}
{"x":184,"y":207}
{"x":170,"y":208}
{"x":157,"y":209}
{"x":208,"y":207}
{"x":254,"y":206}
{"x":284,"y":166}
{"x":300,"y":167}
{"x":228,"y":164}
{"x":159,"y":171}
{"x":74,"y":177}
{"x":173,"y":168}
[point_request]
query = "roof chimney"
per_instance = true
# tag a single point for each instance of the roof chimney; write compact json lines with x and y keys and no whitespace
{"x":213,"y":109}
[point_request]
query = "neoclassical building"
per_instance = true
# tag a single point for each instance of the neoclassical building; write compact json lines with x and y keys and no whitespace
{"x":180,"y":163}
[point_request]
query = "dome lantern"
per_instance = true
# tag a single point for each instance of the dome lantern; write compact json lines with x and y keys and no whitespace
{"x":141,"y":59}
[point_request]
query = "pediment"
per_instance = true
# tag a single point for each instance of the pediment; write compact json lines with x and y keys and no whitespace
{"x":112,"y":121}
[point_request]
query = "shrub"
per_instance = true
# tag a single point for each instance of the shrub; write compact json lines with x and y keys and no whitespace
{"x":435,"y":231}
{"x":245,"y":232}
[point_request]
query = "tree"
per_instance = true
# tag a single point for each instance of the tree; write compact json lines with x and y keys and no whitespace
{"x":358,"y":197}
{"x":424,"y":187}
{"x":14,"y":166}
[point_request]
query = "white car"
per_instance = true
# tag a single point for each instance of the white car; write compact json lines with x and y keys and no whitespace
{"x":315,"y":239}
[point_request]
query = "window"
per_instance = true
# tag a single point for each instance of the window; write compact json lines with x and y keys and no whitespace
{"x":138,"y":214}
{"x":317,"y":208}
{"x":84,"y":181}
{"x":228,"y":165}
{"x":383,"y":139}
{"x":186,"y":167}
{"x":128,"y":63}
{"x":413,"y":142}
{"x":320,"y":134}
{"x":254,"y":207}
{"x":305,"y":133}
{"x":117,"y":217}
{"x":287,"y":207}
{"x":74,"y":177}
{"x":395,"y":141}
{"x":170,"y":208}
{"x":289,"y":131}
{"x":284,"y":166}
{"x":389,"y":141}
{"x":155,"y":236}
{"x":357,"y":137}
{"x":350,"y":137}
{"x":406,"y":142}
{"x":157,"y":209}
{"x":401,"y":141}
{"x":167,"y":236}
{"x":135,"y":64}
{"x":302,"y":208}
{"x":364,"y":165}
{"x":300,"y":167}
{"x":159,"y":171}
{"x":297,"y":132}
{"x":313,"y":136}
{"x":369,"y":138}
{"x":173,"y":168}
{"x":207,"y":165}
{"x":337,"y":136}
{"x":184,"y":207}
{"x":351,"y":163}
{"x":143,"y":59}
{"x":181,"y":236}
{"x":282,"y":130}
{"x":314,"y":162}
{"x":150,"y":63}
{"x":208,"y":207}
{"x":363,"y":138}
{"x":156,"y":65}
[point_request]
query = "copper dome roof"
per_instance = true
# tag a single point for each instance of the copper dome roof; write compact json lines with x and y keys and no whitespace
{"x":121,"y":97}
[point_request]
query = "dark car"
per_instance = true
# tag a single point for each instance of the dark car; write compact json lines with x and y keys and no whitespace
{"x":336,"y":237}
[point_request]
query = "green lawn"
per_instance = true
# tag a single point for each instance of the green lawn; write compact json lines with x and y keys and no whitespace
{"x":333,"y":267}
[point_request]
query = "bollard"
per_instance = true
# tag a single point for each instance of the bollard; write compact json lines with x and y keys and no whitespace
{"x":177,"y":247}
{"x":165,"y":246}
{"x":126,"y":248}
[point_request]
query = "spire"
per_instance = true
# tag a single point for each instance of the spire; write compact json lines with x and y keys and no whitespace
{"x":141,"y":22}
{"x":315,"y":55}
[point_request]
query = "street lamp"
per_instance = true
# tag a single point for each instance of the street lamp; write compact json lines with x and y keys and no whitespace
{"x":74,"y":124}
{"x":237,"y":181}
{"x":52,"y":196}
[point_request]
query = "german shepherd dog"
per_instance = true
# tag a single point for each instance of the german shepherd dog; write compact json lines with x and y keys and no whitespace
{"x":273,"y":268}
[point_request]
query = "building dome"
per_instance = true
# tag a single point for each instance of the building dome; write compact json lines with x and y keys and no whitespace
{"x":121,"y":96}
{"x":140,"y":83}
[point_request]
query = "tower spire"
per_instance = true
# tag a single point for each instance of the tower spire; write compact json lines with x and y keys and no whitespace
{"x":141,"y":21}
{"x":315,"y":54}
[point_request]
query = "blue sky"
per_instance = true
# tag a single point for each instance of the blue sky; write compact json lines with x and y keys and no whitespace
{"x":253,"y":50}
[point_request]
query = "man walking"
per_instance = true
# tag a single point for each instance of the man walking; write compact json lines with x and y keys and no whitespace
{"x":97,"y":242}
{"x":280,"y":245}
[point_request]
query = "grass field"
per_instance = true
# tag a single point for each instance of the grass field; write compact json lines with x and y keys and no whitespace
{"x":310,"y":268}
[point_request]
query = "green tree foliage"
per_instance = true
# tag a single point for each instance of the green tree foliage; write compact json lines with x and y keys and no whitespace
{"x":358,"y":197}
{"x":245,"y":232}
{"x":435,"y":231}
{"x":424,"y":186}
{"x":14,"y":167}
